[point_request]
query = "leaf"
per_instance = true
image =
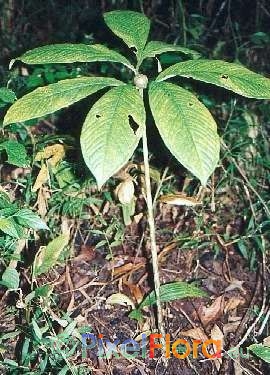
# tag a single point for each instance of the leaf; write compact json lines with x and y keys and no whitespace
{"x":132,"y":27}
{"x":11,"y":278}
{"x":119,"y":299}
{"x":51,"y":98}
{"x":107,"y":139}
{"x":186,"y":127}
{"x":49,"y":255}
{"x":261,"y":351}
{"x":16,"y":153}
{"x":213,"y":312}
{"x":7,"y":95}
{"x":41,"y":179}
{"x":154,"y":48}
{"x":30,"y":219}
{"x":36,"y":329}
{"x":55,"y":153}
{"x":70,"y":53}
{"x":8,"y":226}
{"x":172,"y":291}
{"x":179,"y":199}
{"x":231,"y":76}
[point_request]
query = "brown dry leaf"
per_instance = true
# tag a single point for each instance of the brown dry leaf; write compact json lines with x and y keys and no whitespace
{"x":235,"y":284}
{"x":54,"y":153}
{"x":213,"y":312}
{"x":233,"y":303}
{"x":120,"y":299}
{"x":135,"y":291}
{"x":86,"y":253}
{"x":195,"y":334}
{"x":42,"y":178}
{"x":231,"y":327}
{"x":179,"y":199}
{"x":266,"y":341}
{"x":42,"y":202}
{"x":217,"y":334}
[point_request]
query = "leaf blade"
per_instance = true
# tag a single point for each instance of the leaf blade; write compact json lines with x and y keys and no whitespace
{"x":233,"y":77}
{"x":176,"y":111}
{"x":71,"y":53}
{"x":51,"y":98}
{"x":48,"y":256}
{"x":30,"y":219}
{"x":107,"y":139}
{"x":132,"y":27}
{"x":154,"y":48}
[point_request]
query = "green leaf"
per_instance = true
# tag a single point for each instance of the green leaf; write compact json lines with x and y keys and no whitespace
{"x":186,"y":127}
{"x":49,"y":255}
{"x":70,"y":53}
{"x":172,"y":291}
{"x":7,"y":95}
{"x":169,"y":292}
{"x":51,"y":98}
{"x":132,"y":27}
{"x":231,"y":76}
{"x":8,"y":226}
{"x":154,"y":48}
{"x":16,"y":152}
{"x":11,"y":278}
{"x":107,"y":139}
{"x":30,"y":219}
{"x":36,"y":329}
{"x":261,"y":351}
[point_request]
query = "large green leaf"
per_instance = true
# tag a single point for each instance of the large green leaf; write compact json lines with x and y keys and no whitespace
{"x":130,"y":26}
{"x":107,"y":139}
{"x":10,"y":278}
{"x":186,"y":127}
{"x":231,"y":76}
{"x":49,"y":255}
{"x":169,"y":292}
{"x":154,"y":48}
{"x":8,"y":226}
{"x":48,"y":99}
{"x":70,"y":53}
{"x":30,"y":219}
{"x":16,"y":152}
{"x":261,"y":351}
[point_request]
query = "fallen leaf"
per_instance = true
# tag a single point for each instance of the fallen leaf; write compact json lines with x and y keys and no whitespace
{"x":195,"y":334}
{"x":42,"y":178}
{"x":217,"y":334}
{"x":179,"y":199}
{"x":213,"y":312}
{"x":233,"y":303}
{"x":235,"y":284}
{"x":120,"y":299}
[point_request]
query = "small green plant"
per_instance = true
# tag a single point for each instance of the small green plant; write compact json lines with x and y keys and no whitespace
{"x":117,"y":121}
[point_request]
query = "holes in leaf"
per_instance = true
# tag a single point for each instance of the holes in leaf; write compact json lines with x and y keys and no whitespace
{"x":132,"y":123}
{"x":224,"y":76}
{"x":190,"y":104}
{"x":134,"y":49}
{"x":98,"y":116}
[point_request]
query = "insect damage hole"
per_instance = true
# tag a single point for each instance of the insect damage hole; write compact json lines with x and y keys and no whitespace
{"x":224,"y":76}
{"x":132,"y":123}
{"x":98,"y":116}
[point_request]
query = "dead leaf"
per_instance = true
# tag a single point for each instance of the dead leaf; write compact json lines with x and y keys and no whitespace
{"x":179,"y":199}
{"x":195,"y":334}
{"x":42,"y":178}
{"x":120,"y":299}
{"x":233,"y":303}
{"x":217,"y":334}
{"x":54,"y":154}
{"x":235,"y":284}
{"x":213,"y":312}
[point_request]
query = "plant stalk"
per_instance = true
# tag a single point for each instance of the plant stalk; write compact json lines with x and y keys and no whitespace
{"x":152,"y":230}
